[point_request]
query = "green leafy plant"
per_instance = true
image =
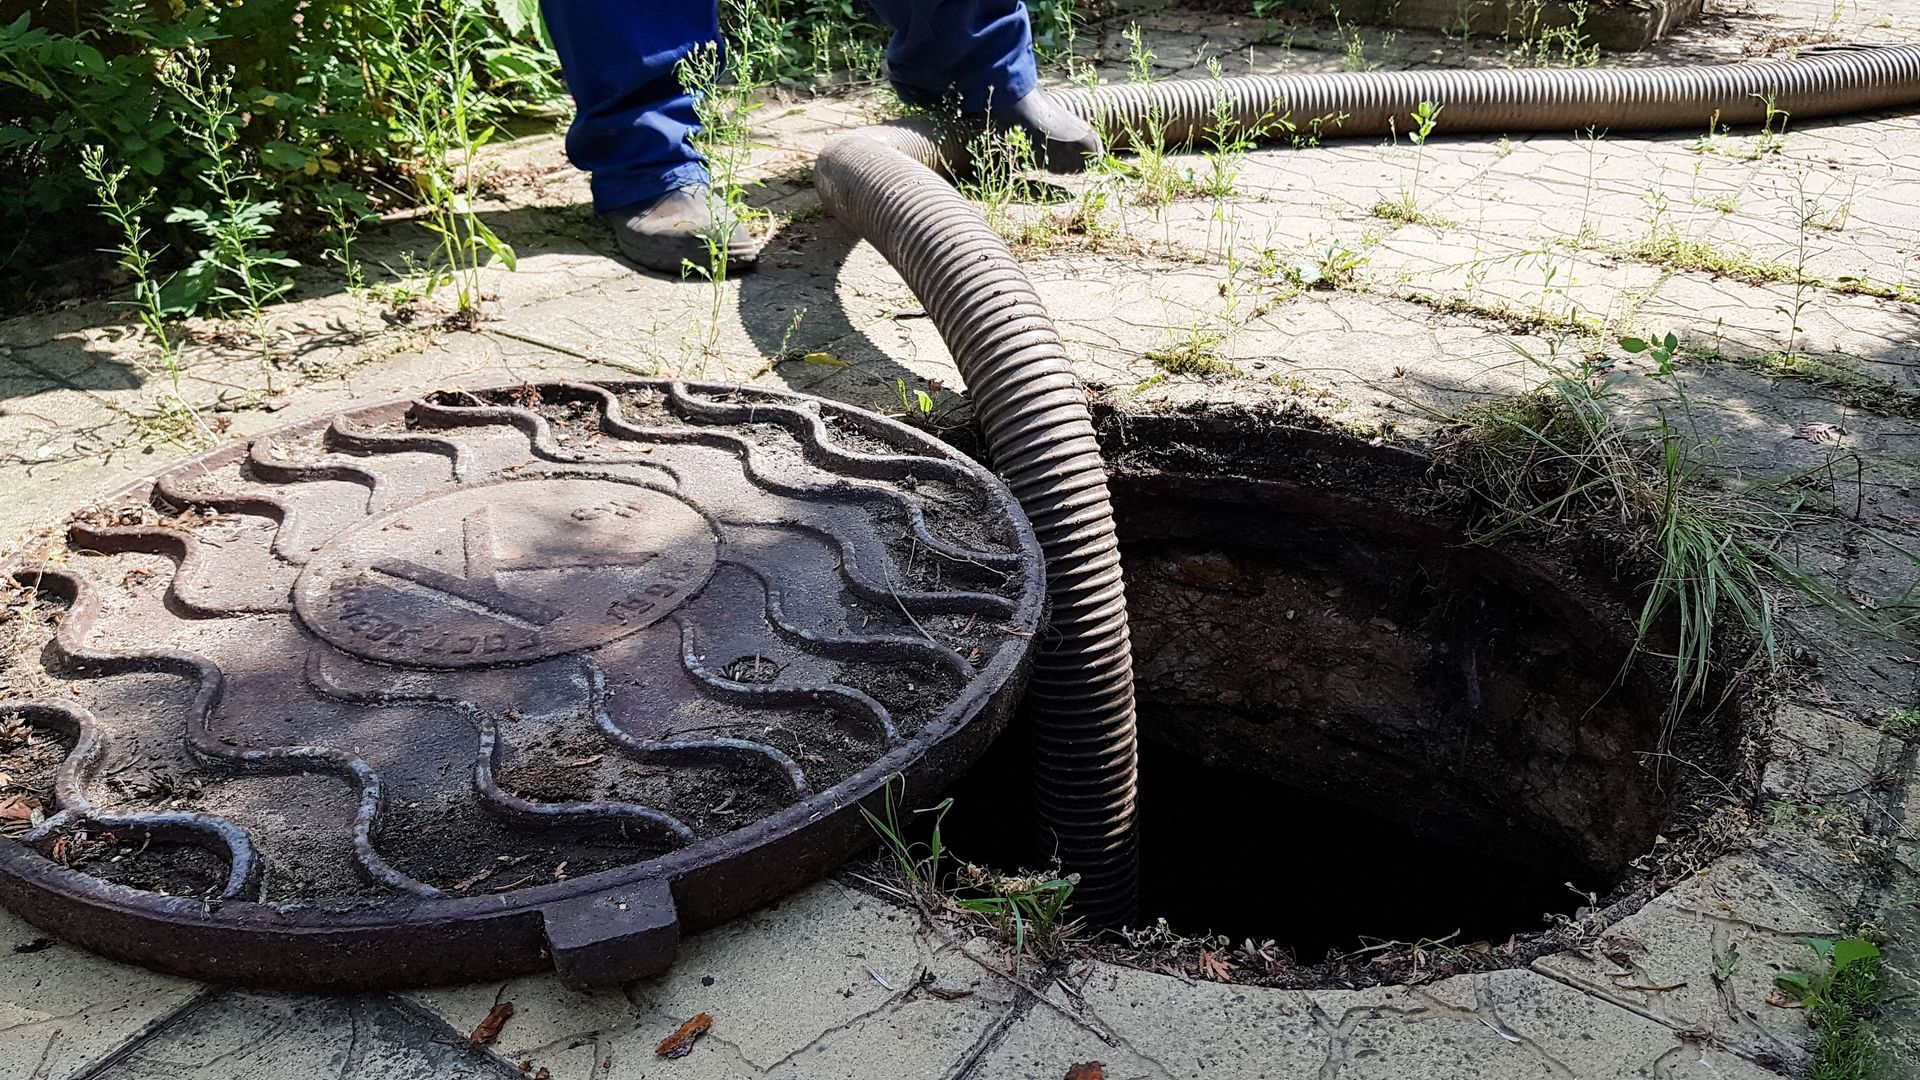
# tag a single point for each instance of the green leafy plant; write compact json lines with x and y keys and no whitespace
{"x":724,"y":106}
{"x":1332,"y":267}
{"x":234,"y":269}
{"x":1406,"y":208}
{"x":1194,"y":351}
{"x":437,"y":110}
{"x":1028,"y":910}
{"x":917,"y":406}
{"x":305,"y":93}
{"x":1540,"y":40}
{"x":1903,"y":724}
{"x":1229,"y":140}
{"x":1841,"y":1002}
{"x":127,"y":212}
{"x":1139,"y":56}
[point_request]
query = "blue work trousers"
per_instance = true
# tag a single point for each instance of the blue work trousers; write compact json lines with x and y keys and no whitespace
{"x":633,"y":118}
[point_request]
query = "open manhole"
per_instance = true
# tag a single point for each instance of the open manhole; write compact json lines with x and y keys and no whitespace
{"x":496,"y":680}
{"x":1358,"y":727}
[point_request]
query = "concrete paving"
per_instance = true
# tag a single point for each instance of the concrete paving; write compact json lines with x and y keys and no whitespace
{"x":1807,"y":353}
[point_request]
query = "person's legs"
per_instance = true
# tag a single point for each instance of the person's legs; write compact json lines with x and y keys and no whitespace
{"x":632,"y":119}
{"x":980,"y":52}
{"x":634,"y":123}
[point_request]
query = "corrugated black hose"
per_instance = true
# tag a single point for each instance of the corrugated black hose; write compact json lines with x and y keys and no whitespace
{"x":881,"y":182}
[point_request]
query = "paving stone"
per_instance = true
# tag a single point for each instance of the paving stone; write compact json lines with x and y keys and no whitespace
{"x":1500,"y":1025}
{"x":1819,"y":756}
{"x":1141,"y":1024}
{"x":1759,"y":890}
{"x":246,"y":1035}
{"x":65,"y":1008}
{"x":817,"y":986}
{"x":1699,"y":974}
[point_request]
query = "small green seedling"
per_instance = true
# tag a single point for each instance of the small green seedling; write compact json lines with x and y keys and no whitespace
{"x":920,"y":402}
{"x":1660,"y":350}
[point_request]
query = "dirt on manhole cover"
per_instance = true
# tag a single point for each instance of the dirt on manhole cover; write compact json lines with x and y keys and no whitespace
{"x":497,"y":679}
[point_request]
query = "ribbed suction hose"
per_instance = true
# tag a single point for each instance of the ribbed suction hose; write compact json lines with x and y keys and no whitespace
{"x":1040,"y":436}
{"x":1040,"y":439}
{"x":1826,"y":81}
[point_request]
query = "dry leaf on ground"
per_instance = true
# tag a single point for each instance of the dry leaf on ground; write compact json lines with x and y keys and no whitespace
{"x":680,"y":1043}
{"x":489,"y":1028}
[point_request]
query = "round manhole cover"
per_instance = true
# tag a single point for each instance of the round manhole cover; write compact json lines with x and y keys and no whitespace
{"x":498,"y":679}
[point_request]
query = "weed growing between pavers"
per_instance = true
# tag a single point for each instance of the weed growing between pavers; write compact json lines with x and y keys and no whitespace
{"x":1562,"y":457}
{"x":1027,"y":911}
{"x":1842,"y":1001}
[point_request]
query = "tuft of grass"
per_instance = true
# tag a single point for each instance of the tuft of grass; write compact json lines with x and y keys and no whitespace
{"x":1196,"y":354}
{"x":917,"y":861}
{"x":1027,"y":911}
{"x":1866,"y":286}
{"x":1841,"y":1003}
{"x":1903,"y":724}
{"x":1559,"y":456}
{"x":1404,"y":211}
{"x":1664,"y":246}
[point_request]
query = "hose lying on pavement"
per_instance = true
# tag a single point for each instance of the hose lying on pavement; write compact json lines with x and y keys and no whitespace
{"x":1823,"y":82}
{"x":1040,"y":438}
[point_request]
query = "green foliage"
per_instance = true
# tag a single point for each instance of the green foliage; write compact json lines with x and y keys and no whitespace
{"x":915,"y":403}
{"x":1841,"y":1004}
{"x":1028,"y":910}
{"x":1560,"y":454}
{"x":917,"y":861}
{"x":1139,"y":57}
{"x":126,"y":211}
{"x":232,"y":270}
{"x":308,"y":92}
{"x":1332,"y":267}
{"x":438,"y":109}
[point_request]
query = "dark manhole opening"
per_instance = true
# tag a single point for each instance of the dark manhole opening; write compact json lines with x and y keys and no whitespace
{"x":1357,"y":727}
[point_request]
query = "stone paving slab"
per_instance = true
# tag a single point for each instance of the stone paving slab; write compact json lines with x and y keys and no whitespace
{"x":1504,"y":1024}
{"x":818,"y":985}
{"x":64,"y":1008}
{"x":251,"y":1035}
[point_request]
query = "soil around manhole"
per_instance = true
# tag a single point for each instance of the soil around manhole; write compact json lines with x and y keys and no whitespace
{"x":1373,"y":751}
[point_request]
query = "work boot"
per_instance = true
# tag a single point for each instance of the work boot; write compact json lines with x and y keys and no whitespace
{"x":673,"y":230}
{"x":1063,"y":141}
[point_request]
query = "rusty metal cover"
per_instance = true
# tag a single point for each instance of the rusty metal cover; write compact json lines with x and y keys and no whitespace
{"x":498,"y":679}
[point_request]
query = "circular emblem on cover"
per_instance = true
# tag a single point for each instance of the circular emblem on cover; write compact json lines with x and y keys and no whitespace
{"x":507,"y":573}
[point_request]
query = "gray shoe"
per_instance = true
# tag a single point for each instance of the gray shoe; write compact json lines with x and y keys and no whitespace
{"x":1063,"y":141}
{"x":673,"y":230}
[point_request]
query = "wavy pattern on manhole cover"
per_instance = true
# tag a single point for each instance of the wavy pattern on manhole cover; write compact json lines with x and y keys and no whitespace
{"x":426,"y":690}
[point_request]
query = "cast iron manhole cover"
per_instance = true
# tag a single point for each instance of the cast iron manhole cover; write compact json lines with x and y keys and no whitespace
{"x":497,"y":679}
